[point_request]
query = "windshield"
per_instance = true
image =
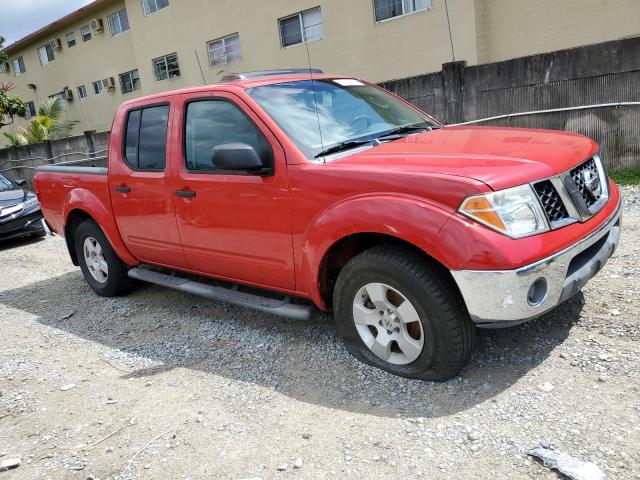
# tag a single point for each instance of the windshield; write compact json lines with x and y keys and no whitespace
{"x":6,"y":184}
{"x":347,"y":110}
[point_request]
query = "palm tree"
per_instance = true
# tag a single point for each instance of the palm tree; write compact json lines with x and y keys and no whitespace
{"x":47,"y":125}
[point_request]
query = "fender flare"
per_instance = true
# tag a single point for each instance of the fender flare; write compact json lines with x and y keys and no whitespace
{"x":84,"y":200}
{"x":408,"y":218}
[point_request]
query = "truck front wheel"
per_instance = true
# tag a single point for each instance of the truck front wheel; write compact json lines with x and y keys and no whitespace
{"x":105,"y":273}
{"x":398,"y":313}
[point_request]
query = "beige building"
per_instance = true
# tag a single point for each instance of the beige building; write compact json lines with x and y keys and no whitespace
{"x":114,"y":50}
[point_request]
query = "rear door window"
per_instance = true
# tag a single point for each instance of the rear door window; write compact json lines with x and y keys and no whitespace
{"x":145,"y":145}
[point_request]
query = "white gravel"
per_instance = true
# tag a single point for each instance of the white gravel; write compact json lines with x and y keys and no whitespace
{"x":89,"y":387}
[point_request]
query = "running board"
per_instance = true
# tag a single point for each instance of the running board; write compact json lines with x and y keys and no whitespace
{"x":274,"y":306}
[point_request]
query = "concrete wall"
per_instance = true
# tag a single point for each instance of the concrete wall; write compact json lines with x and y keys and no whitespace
{"x":596,"y":74}
{"x":84,"y":150}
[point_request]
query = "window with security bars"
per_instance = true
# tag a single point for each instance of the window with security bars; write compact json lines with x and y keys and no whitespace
{"x":129,"y":81}
{"x":166,"y":67}
{"x":100,"y":86}
{"x":225,"y":50}
{"x":302,"y":27}
{"x":82,"y":92}
{"x":85,"y":32}
{"x":71,"y":39}
{"x":386,"y":9}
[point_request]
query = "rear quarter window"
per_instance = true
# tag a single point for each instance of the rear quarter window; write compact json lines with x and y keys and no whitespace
{"x":145,"y":143}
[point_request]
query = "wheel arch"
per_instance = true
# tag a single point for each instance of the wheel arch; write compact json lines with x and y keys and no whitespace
{"x":78,"y":211}
{"x":342,"y":251}
{"x":352,"y":226}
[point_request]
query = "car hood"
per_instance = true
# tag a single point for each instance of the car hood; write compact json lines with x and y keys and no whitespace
{"x":9,"y":198}
{"x":498,"y":157}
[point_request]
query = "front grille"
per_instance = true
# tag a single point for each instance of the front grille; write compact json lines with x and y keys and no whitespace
{"x":587,"y":179}
{"x":551,"y":201}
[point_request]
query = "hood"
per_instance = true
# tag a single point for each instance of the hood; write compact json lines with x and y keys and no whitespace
{"x":9,"y":198}
{"x":498,"y":157}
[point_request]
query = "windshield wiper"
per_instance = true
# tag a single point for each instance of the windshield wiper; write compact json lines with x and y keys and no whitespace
{"x":344,"y":146}
{"x":408,"y":129}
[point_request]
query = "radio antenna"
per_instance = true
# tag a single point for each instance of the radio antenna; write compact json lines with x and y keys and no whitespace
{"x":315,"y":95}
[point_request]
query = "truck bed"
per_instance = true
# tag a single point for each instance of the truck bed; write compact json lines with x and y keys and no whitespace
{"x":58,"y":187}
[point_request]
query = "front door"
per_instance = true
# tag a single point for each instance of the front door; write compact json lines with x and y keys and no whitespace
{"x":141,"y":188}
{"x":232,"y":225}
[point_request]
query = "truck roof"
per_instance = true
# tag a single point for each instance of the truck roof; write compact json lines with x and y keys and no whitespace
{"x":243,"y":81}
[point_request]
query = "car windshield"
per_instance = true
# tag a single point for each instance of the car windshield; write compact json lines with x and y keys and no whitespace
{"x":6,"y":184}
{"x":320,"y":114}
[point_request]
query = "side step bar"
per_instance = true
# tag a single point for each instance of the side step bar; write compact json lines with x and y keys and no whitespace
{"x":274,"y":306}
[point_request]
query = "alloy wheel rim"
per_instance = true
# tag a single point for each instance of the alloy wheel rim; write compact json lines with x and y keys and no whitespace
{"x":95,"y":261}
{"x":388,"y":324}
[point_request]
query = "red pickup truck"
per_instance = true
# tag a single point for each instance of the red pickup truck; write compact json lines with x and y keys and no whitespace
{"x":286,"y":190}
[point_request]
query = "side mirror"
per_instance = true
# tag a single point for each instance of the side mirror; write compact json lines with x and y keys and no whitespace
{"x":236,"y":156}
{"x":21,"y":182}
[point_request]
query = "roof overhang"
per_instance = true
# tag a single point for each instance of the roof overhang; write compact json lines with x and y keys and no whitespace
{"x":61,"y":22}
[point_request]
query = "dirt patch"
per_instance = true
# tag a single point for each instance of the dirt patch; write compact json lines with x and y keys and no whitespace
{"x":165,"y":385}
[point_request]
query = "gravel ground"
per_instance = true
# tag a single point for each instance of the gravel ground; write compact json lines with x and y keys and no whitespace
{"x":164,"y":385}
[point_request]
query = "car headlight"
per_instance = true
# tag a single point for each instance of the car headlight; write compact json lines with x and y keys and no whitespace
{"x":515,"y":212}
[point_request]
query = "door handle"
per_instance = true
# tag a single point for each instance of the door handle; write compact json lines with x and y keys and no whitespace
{"x":185,"y":193}
{"x":123,"y":189}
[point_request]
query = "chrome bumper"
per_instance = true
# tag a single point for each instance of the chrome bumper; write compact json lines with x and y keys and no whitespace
{"x":502,"y":298}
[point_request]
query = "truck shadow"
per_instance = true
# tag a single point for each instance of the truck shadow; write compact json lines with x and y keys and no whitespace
{"x":154,"y":330}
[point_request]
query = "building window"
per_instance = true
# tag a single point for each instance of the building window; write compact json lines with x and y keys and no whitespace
{"x":31,"y":109}
{"x":62,"y":102}
{"x":152,"y":6}
{"x":4,"y":67}
{"x":46,"y":54}
{"x":99,"y":86}
{"x":118,"y":22}
{"x":166,"y":67}
{"x":301,"y":27}
{"x":224,"y":50}
{"x":18,"y":66}
{"x":395,"y":8}
{"x":71,"y":39}
{"x":86,"y":33}
{"x":82,"y":91}
{"x":129,"y":81}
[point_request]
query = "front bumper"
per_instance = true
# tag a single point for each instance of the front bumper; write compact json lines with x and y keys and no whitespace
{"x":502,"y":298}
{"x":21,"y":225}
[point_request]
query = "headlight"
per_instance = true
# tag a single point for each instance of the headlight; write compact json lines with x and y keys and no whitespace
{"x":516,"y":212}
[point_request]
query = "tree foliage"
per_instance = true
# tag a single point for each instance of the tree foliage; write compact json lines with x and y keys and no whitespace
{"x":49,"y":124}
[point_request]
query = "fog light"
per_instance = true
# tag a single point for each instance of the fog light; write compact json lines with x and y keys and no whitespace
{"x":537,"y":292}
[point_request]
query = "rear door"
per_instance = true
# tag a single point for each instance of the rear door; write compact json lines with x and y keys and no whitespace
{"x":235,"y":226}
{"x":141,"y":189}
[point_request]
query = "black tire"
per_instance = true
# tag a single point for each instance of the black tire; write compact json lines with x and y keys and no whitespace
{"x":117,"y":282}
{"x":449,"y":333}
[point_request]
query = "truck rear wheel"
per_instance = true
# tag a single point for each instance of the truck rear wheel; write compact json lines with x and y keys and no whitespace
{"x":398,"y":313}
{"x":105,"y":273}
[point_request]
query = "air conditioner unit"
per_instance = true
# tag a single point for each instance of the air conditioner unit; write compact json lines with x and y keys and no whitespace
{"x":56,"y":44}
{"x":66,"y":94}
{"x":96,"y":25}
{"x":111,"y":84}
